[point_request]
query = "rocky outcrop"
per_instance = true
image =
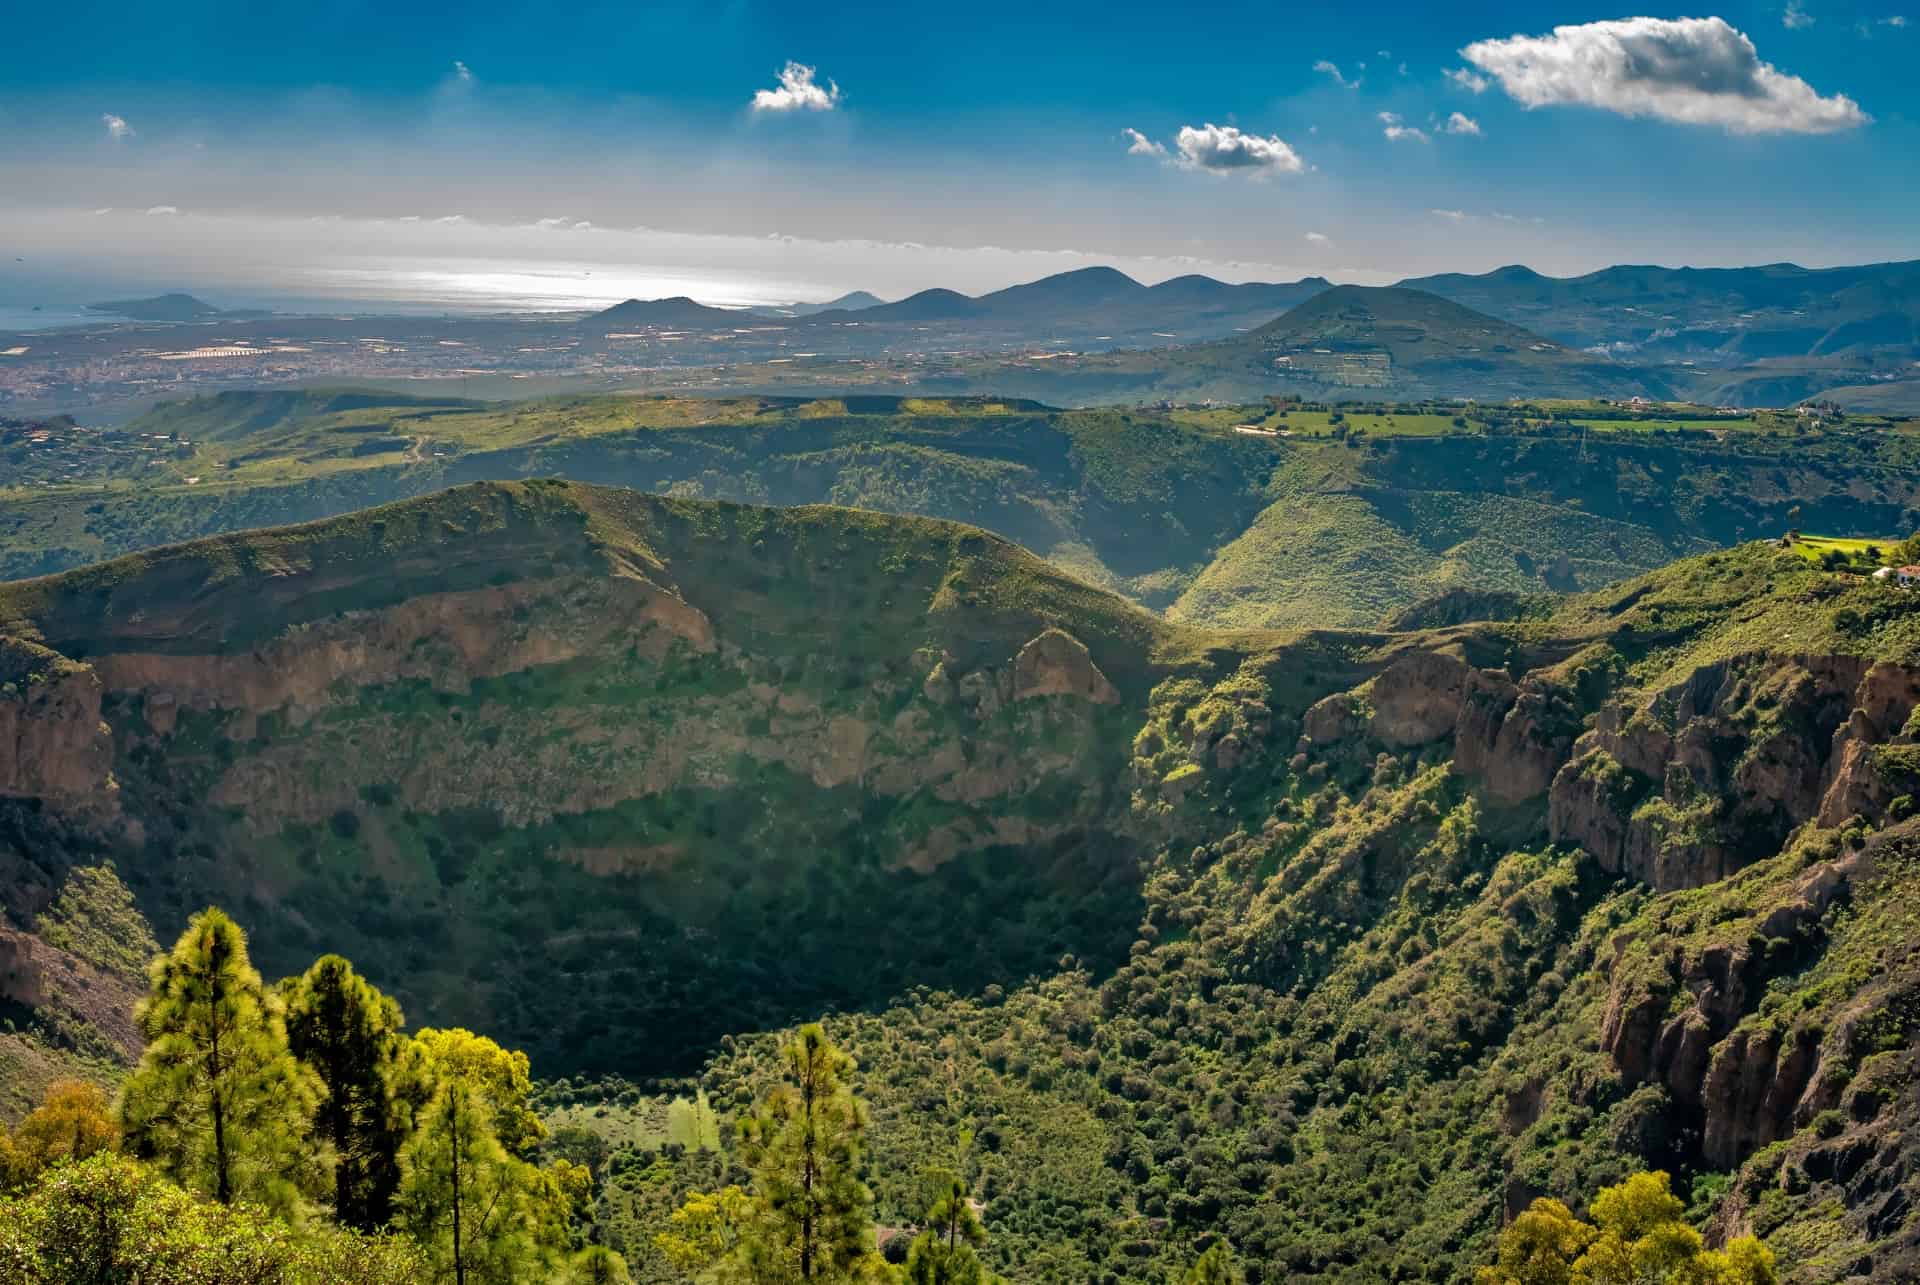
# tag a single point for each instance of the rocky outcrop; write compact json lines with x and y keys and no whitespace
{"x":53,"y":745}
{"x":1057,"y":664}
{"x":1682,"y":1022}
{"x":21,"y":978}
{"x":1511,"y":736}
{"x":1686,"y":785}
{"x":446,"y":639}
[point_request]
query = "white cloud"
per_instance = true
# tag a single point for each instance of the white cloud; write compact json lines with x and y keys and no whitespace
{"x":1319,"y":238}
{"x":1491,"y":216}
{"x":1461,"y":123}
{"x":1451,"y":216}
{"x":462,"y":72}
{"x":1398,"y":130}
{"x":1468,"y":79}
{"x":1223,"y":149}
{"x":1897,"y":20}
{"x":1695,"y":71}
{"x":163,"y":209}
{"x":1793,"y":17}
{"x":117,"y":126}
{"x":1333,"y":70}
{"x":1139,"y":144}
{"x":105,"y":209}
{"x":797,"y":92}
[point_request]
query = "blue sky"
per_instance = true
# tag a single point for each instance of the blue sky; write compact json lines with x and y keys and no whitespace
{"x":957,"y":146}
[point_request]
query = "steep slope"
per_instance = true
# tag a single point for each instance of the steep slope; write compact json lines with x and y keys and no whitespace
{"x":531,"y":713}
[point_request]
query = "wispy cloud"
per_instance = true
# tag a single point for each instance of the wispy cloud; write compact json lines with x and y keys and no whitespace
{"x":1468,"y":79}
{"x":1794,"y":16}
{"x":1491,"y":216}
{"x":797,"y":92}
{"x":462,"y":72}
{"x":1319,"y":238}
{"x":1399,"y":131}
{"x":163,"y":209}
{"x":117,"y":127}
{"x":1139,"y":144}
{"x":1460,"y":123}
{"x":1694,"y":71}
{"x":1328,"y":68}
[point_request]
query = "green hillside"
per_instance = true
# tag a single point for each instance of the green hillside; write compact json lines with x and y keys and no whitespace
{"x":1192,"y":510}
{"x":1332,"y":946}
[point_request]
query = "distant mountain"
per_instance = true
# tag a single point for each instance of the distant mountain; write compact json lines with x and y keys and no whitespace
{"x":173,"y":307}
{"x":1103,"y":301}
{"x":678,"y":311}
{"x":1712,"y":315}
{"x":928,"y":305}
{"x":853,"y":301}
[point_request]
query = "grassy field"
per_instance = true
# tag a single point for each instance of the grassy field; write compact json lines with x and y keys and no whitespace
{"x":1815,"y":547}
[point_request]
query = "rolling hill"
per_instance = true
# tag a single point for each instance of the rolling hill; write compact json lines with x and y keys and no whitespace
{"x":668,"y":313}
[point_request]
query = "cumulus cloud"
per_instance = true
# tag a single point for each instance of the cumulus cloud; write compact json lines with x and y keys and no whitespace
{"x":1224,"y":149}
{"x":1794,"y":17}
{"x":117,"y":126}
{"x":1468,"y":79}
{"x":1332,"y":69}
{"x":1398,"y":130}
{"x":797,"y":92}
{"x":1139,"y":144}
{"x":1460,"y":123}
{"x":1694,"y":71}
{"x":163,"y":209}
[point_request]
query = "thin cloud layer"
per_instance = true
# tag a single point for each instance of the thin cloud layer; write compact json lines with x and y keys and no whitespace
{"x":1693,"y":71}
{"x":797,"y":93}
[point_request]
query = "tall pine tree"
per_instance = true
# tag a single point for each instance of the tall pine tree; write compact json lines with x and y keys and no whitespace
{"x":218,"y":1102}
{"x":349,"y":1034}
{"x":805,"y":1149}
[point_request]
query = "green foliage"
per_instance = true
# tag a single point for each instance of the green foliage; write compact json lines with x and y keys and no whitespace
{"x":804,"y":1148}
{"x":349,"y":1035}
{"x":110,"y":1219}
{"x":218,"y":1102}
{"x":478,"y":1210}
{"x":946,"y":1253}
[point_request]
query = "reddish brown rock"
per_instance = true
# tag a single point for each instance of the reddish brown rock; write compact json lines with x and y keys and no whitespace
{"x":1057,"y":664}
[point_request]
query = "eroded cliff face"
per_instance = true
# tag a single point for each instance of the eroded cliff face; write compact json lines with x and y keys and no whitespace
{"x":53,"y":744}
{"x":1686,"y":785}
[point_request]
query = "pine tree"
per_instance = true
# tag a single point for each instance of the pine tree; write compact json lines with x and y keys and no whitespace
{"x":480,"y":1212}
{"x":946,"y":1252}
{"x":349,"y":1034}
{"x":1215,"y":1267}
{"x":804,"y":1150}
{"x":218,"y":1101}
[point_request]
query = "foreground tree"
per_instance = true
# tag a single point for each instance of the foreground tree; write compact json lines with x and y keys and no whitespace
{"x":808,"y":1217}
{"x":218,"y":1102}
{"x":71,"y":1123}
{"x":946,"y":1253}
{"x":111,"y":1219}
{"x":479,"y":1212}
{"x":349,"y":1034}
{"x":804,"y":1149}
{"x":1637,"y":1238}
